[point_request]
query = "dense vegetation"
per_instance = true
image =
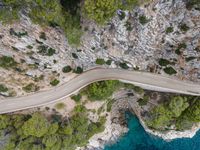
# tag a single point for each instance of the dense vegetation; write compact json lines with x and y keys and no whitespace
{"x":3,"y":88}
{"x":182,"y":112}
{"x":193,"y":4}
{"x":36,"y":131}
{"x":31,"y":87}
{"x":102,"y":10}
{"x":67,"y":69}
{"x":7,"y":62}
{"x":46,"y":51}
{"x":78,"y":70}
{"x":170,"y":70}
{"x":169,"y":30}
{"x":143,"y":20}
{"x":102,"y":89}
{"x":100,"y":61}
{"x":76,"y":98}
{"x":54,"y":82}
{"x":64,"y":13}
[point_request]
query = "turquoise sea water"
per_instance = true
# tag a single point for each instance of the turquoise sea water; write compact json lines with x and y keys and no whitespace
{"x":138,"y":139}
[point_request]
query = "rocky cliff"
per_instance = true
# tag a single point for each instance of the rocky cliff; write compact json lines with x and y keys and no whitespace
{"x":161,"y":37}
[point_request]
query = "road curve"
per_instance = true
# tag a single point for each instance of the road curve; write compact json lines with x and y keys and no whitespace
{"x":143,"y":79}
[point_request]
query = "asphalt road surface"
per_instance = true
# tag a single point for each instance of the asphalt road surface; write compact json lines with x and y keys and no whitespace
{"x":145,"y":80}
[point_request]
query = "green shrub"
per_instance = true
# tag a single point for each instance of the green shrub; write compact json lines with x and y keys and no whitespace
{"x":169,"y":30}
{"x":46,"y":51}
{"x":178,"y":52}
{"x":164,"y":62}
{"x":80,"y":109}
{"x":187,"y":59}
{"x":7,"y":62}
{"x":109,"y":105}
{"x":170,"y":70}
{"x":101,"y":90}
{"x":143,"y":20}
{"x":43,"y":36}
{"x":54,"y":82}
{"x":138,"y":89}
{"x":18,"y":34}
{"x":43,"y":49}
{"x":78,"y":70}
{"x":66,"y":69}
{"x":39,"y":42}
{"x":50,"y":51}
{"x":121,"y":15}
{"x":74,"y":55}
{"x":180,"y":46}
{"x":31,"y":87}
{"x":100,"y":61}
{"x":15,"y":49}
{"x":128,"y":26}
{"x":3,"y":88}
{"x":193,"y":4}
{"x":123,"y":65}
{"x":29,"y":47}
{"x":54,"y":61}
{"x":76,"y":98}
{"x":108,"y":62}
{"x":197,"y":49}
{"x":184,"y":27}
{"x":37,"y":79}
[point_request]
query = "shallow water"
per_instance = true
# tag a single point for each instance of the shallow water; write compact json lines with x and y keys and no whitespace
{"x":138,"y":139}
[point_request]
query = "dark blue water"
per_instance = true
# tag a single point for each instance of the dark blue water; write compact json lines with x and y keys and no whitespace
{"x":138,"y":139}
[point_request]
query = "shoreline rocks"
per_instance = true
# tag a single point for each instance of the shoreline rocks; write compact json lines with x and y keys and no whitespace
{"x":115,"y":127}
{"x":165,"y":135}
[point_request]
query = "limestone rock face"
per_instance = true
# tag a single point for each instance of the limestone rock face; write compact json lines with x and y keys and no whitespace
{"x":170,"y":32}
{"x":143,"y":45}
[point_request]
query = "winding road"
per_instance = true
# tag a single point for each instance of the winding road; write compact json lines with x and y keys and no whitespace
{"x":143,"y":79}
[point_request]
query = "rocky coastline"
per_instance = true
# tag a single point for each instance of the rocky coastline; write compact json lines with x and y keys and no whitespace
{"x":116,"y":126}
{"x":166,"y":135}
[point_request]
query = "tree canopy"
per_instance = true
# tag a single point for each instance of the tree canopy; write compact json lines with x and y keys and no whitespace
{"x":193,"y":112}
{"x":102,"y":89}
{"x":35,"y":131}
{"x":65,"y":14}
{"x":102,"y":10}
{"x":51,"y":12}
{"x":181,"y":111}
{"x":36,"y":126}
